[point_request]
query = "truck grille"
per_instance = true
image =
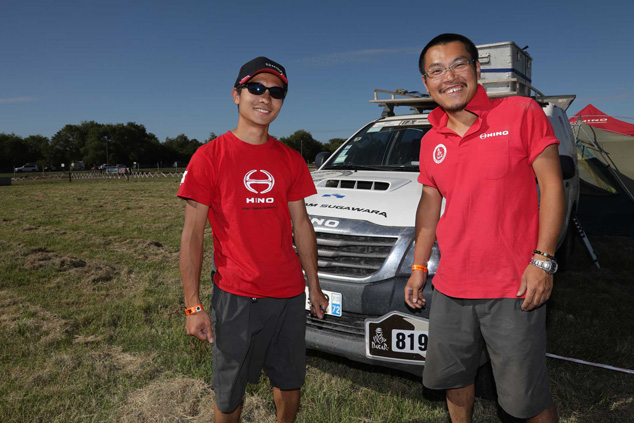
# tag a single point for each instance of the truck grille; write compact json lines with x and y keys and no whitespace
{"x":349,"y":323}
{"x":351,"y":255}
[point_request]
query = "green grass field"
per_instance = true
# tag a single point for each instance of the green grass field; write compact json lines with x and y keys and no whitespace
{"x":92,"y":328}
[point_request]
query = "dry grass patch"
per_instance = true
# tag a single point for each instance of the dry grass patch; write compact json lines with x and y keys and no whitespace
{"x":27,"y":318}
{"x":185,"y":399}
{"x":169,"y":401}
{"x":112,"y":360}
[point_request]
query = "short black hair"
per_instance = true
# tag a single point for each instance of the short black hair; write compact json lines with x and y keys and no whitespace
{"x":443,"y":39}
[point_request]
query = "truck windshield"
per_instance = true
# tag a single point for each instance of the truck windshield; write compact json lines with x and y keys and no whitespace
{"x":381,"y":147}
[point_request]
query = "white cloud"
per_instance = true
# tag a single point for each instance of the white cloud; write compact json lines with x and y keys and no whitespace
{"x":17,"y":100}
{"x":359,"y":56}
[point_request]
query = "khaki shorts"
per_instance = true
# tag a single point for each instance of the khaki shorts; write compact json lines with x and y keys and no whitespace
{"x":460,"y":330}
{"x":252,"y":335}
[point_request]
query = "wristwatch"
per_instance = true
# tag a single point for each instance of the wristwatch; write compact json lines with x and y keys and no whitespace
{"x":548,"y":266}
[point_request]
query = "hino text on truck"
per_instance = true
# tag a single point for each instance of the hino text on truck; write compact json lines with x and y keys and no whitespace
{"x":364,"y":213}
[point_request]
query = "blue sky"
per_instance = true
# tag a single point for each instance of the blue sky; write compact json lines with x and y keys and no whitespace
{"x":170,"y":65}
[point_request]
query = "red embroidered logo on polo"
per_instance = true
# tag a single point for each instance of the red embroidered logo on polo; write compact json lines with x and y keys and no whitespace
{"x":440,"y":152}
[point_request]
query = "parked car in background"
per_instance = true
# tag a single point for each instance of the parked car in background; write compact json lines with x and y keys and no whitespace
{"x":29,"y":167}
{"x":120,"y":168}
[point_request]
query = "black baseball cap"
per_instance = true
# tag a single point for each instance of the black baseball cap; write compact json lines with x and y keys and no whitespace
{"x":259,"y":65}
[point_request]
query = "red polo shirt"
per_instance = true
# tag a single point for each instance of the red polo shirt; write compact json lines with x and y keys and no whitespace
{"x":490,"y":225}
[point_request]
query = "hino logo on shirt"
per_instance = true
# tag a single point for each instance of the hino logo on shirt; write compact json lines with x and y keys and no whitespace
{"x":493,"y":134}
{"x":259,"y":186}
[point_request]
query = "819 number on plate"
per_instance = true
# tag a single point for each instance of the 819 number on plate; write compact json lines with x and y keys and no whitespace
{"x":409,"y":341}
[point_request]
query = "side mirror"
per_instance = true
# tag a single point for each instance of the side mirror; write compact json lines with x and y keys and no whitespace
{"x":321,"y":158}
{"x":567,"y":167}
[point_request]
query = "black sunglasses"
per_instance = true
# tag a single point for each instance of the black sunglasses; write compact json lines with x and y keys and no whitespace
{"x":256,"y":88}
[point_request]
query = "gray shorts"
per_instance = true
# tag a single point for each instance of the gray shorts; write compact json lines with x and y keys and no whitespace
{"x":461,"y":329}
{"x":268,"y":334}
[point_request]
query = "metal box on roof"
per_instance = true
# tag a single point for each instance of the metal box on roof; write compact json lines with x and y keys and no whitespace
{"x":503,"y":62}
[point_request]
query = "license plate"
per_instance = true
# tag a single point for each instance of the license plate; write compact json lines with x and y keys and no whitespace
{"x":334,"y":302}
{"x":397,"y":337}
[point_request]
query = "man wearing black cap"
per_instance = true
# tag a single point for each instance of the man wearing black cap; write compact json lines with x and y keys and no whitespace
{"x":251,"y":188}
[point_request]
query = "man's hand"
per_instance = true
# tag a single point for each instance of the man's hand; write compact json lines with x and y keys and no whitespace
{"x":414,"y":289}
{"x":318,"y":302}
{"x":538,"y":285}
{"x":199,"y":325}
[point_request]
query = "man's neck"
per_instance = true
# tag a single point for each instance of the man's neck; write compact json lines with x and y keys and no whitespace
{"x":460,"y":121}
{"x":252,"y":135}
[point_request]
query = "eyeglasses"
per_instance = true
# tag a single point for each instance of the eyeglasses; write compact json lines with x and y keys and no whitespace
{"x":256,"y":88}
{"x":437,"y":72}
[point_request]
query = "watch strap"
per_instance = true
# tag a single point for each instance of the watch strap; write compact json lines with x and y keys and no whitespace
{"x":549,"y":267}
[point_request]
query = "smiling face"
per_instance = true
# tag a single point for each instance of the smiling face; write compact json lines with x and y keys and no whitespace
{"x":453,"y":90}
{"x":259,"y":110}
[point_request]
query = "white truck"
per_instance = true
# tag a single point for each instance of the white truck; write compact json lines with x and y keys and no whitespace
{"x":364,"y":212}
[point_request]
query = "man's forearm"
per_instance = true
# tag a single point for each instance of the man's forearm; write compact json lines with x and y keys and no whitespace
{"x":427,"y":216}
{"x":552,"y":199}
{"x":551,"y":216}
{"x":191,"y":260}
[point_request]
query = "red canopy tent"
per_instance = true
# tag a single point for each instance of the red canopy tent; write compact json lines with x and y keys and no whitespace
{"x":594,"y":117}
{"x":611,"y":142}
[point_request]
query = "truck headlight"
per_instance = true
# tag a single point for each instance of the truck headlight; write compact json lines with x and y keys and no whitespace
{"x":408,"y":261}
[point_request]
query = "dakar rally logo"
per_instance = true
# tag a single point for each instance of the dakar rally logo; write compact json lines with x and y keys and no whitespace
{"x":259,"y":186}
{"x":440,"y":152}
{"x":378,"y":340}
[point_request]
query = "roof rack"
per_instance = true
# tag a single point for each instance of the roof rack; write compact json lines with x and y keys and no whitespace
{"x":423,"y":102}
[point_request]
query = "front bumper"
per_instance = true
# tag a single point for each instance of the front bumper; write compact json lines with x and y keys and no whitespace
{"x":345,"y":336}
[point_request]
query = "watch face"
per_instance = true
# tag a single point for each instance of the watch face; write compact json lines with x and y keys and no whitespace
{"x":549,"y":266}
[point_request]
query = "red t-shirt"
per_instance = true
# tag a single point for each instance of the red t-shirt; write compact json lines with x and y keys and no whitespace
{"x":247,"y":188}
{"x":491,"y":221}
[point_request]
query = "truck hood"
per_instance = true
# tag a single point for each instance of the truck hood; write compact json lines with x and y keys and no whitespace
{"x":383,"y":198}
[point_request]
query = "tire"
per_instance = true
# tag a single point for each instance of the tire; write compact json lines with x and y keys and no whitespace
{"x":566,"y":250}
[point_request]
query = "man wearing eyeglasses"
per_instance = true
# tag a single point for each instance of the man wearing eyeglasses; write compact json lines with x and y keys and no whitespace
{"x":482,"y":156}
{"x":251,"y":188}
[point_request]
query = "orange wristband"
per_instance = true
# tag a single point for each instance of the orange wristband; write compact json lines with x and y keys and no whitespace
{"x":419,"y":267}
{"x":194,"y":309}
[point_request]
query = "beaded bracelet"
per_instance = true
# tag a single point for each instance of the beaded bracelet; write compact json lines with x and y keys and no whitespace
{"x":544,"y":254}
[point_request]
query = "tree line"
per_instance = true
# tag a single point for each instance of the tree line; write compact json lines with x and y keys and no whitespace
{"x":96,"y":144}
